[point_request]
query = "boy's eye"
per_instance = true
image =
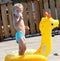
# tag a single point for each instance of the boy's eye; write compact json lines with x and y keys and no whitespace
{"x":17,"y":10}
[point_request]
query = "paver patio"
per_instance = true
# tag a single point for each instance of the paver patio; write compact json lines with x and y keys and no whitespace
{"x":33,"y":42}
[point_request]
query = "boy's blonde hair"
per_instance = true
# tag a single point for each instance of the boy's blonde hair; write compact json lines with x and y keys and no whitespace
{"x":18,"y":5}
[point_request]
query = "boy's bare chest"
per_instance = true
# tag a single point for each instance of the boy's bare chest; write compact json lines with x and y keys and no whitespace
{"x":22,"y":23}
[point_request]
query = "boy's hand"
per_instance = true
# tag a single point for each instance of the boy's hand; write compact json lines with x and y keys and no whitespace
{"x":26,"y":27}
{"x":21,"y":16}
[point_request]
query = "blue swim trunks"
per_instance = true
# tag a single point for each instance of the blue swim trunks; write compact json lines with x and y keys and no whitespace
{"x":19,"y":35}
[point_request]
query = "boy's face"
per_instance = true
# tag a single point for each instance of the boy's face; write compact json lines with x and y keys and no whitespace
{"x":20,"y":9}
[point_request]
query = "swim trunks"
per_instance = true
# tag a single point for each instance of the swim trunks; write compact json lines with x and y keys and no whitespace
{"x":19,"y":35}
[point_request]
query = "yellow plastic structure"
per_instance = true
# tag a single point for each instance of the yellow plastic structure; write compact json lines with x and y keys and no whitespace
{"x":45,"y":26}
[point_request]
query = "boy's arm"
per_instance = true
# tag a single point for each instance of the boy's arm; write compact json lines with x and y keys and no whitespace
{"x":19,"y":19}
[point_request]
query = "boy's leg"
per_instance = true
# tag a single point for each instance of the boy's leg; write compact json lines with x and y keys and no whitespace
{"x":22,"y":47}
